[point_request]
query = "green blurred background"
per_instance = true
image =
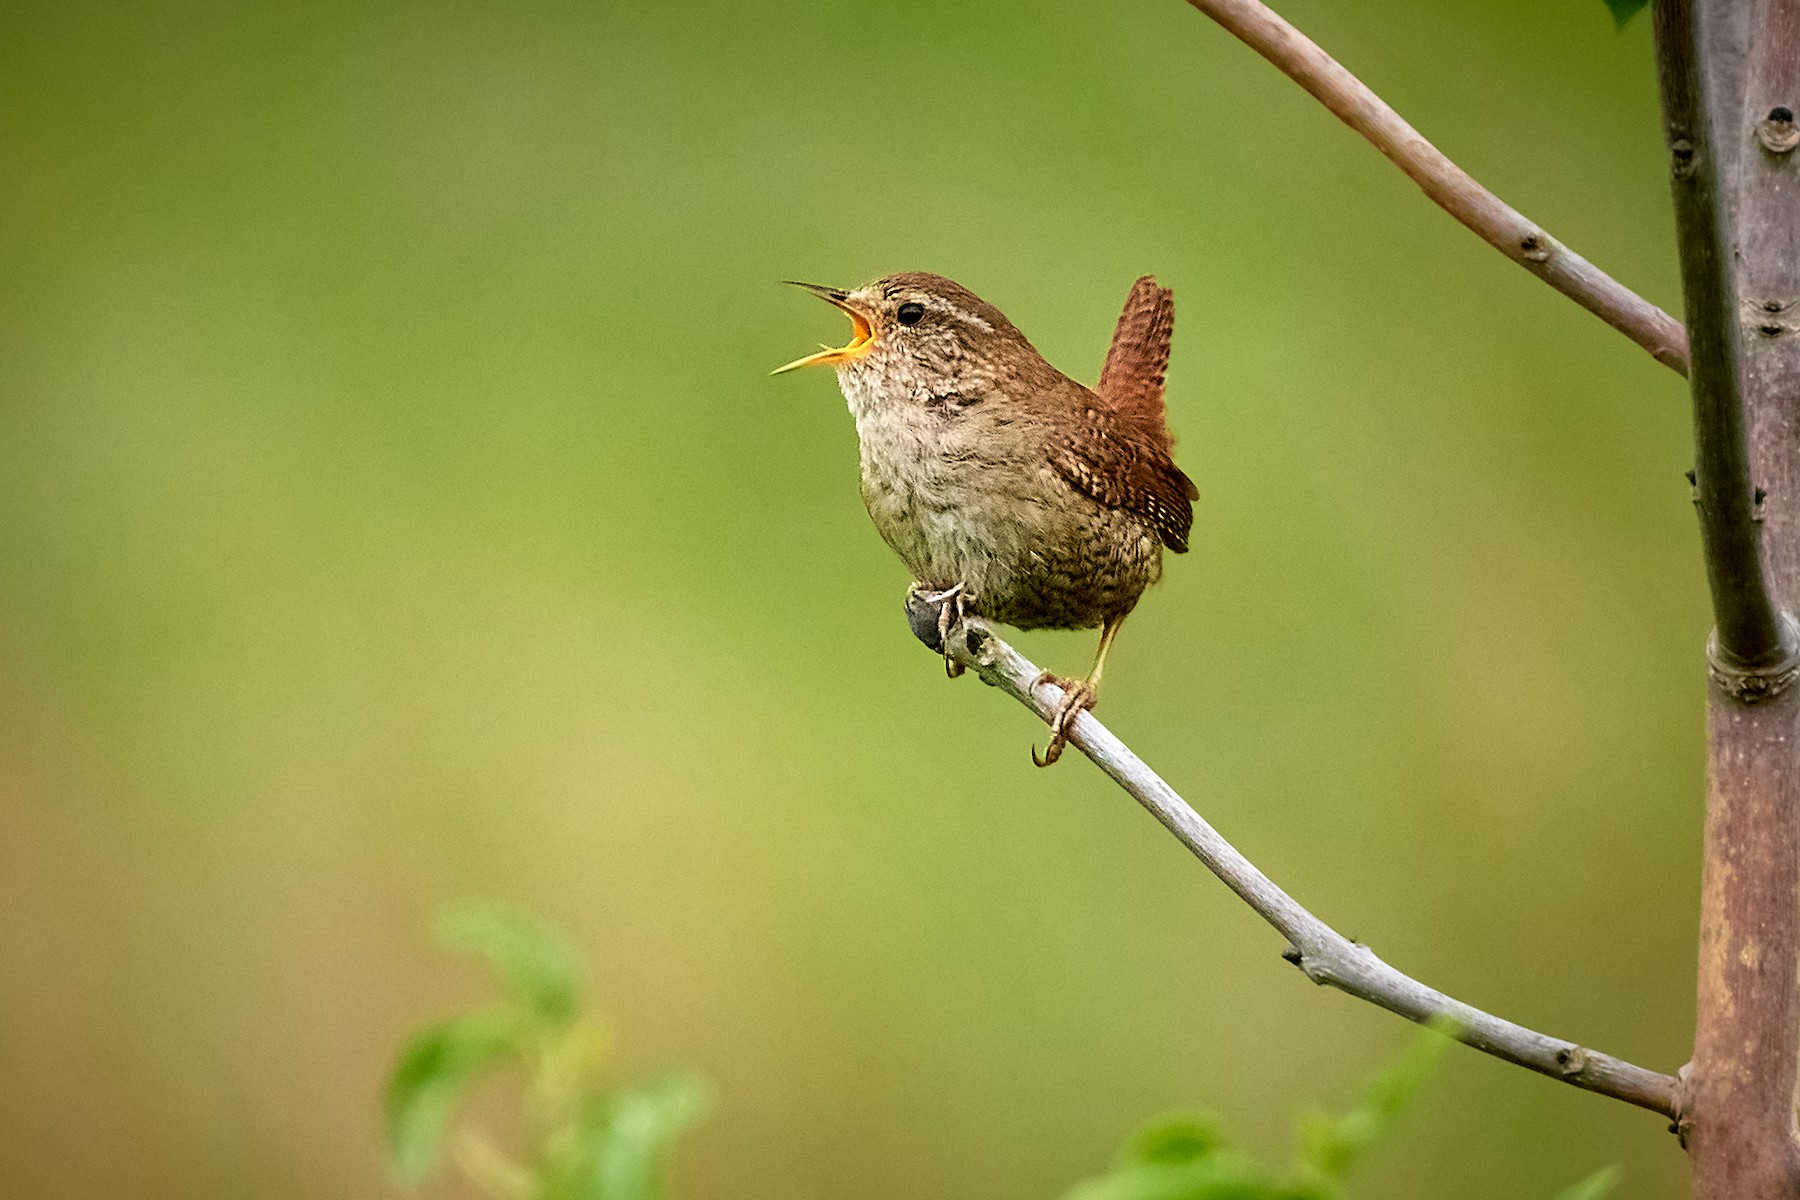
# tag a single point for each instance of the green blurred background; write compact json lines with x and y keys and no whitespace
{"x":394,"y":507}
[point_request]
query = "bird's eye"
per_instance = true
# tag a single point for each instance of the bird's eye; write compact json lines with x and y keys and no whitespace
{"x":911,"y":313}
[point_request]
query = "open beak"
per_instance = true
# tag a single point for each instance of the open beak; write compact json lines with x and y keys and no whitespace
{"x":862,"y":338}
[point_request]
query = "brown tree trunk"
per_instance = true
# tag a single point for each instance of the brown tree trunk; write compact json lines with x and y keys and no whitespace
{"x":1728,"y":71}
{"x":1739,"y":1098}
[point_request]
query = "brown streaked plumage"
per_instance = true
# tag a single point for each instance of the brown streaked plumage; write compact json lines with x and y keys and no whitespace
{"x":1006,"y":487}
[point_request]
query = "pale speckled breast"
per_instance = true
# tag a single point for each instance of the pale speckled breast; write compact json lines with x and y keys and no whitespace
{"x":966,"y":494}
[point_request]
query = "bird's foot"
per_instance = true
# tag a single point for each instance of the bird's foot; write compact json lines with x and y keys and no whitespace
{"x":1078,"y":695}
{"x":951,"y":605}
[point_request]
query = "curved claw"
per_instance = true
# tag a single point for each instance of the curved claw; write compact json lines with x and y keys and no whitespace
{"x":1078,"y":697}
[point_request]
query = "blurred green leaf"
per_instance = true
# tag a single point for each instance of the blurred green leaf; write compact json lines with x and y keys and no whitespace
{"x":1220,"y":1175}
{"x":576,"y":1140}
{"x":538,"y":965}
{"x":434,"y":1069}
{"x":1175,"y":1139}
{"x":632,"y":1133}
{"x":1594,"y":1186}
{"x":1182,"y":1156}
{"x":1624,"y":10}
{"x":1331,"y":1146}
{"x":1186,"y":1156}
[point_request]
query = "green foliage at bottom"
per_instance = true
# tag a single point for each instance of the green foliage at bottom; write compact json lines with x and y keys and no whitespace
{"x":581,"y":1140}
{"x":1188,"y":1156}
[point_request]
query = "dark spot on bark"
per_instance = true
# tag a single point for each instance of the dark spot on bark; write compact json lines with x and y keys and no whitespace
{"x":1682,"y":151}
{"x":1777,"y":131}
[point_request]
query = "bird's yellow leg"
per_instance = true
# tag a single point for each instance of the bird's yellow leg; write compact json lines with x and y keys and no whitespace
{"x":1078,"y":696}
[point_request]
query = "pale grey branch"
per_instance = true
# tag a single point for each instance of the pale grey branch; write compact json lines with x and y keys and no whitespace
{"x":1320,"y":951}
{"x":1448,"y":185}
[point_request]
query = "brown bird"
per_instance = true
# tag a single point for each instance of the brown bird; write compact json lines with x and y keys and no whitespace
{"x":1009,"y":490}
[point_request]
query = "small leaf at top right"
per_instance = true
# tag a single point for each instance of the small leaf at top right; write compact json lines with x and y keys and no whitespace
{"x":1624,"y":10}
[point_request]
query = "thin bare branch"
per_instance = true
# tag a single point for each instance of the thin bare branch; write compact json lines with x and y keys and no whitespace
{"x":1448,"y":185}
{"x":1325,"y":955}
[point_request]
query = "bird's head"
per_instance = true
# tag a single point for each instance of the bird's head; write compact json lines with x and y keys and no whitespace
{"x":919,"y":326}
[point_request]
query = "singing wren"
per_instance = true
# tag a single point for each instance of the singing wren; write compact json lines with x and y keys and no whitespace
{"x":1009,"y":490}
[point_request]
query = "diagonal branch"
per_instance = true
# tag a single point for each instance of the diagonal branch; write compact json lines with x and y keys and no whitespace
{"x":1448,"y":185}
{"x":1325,"y":955}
